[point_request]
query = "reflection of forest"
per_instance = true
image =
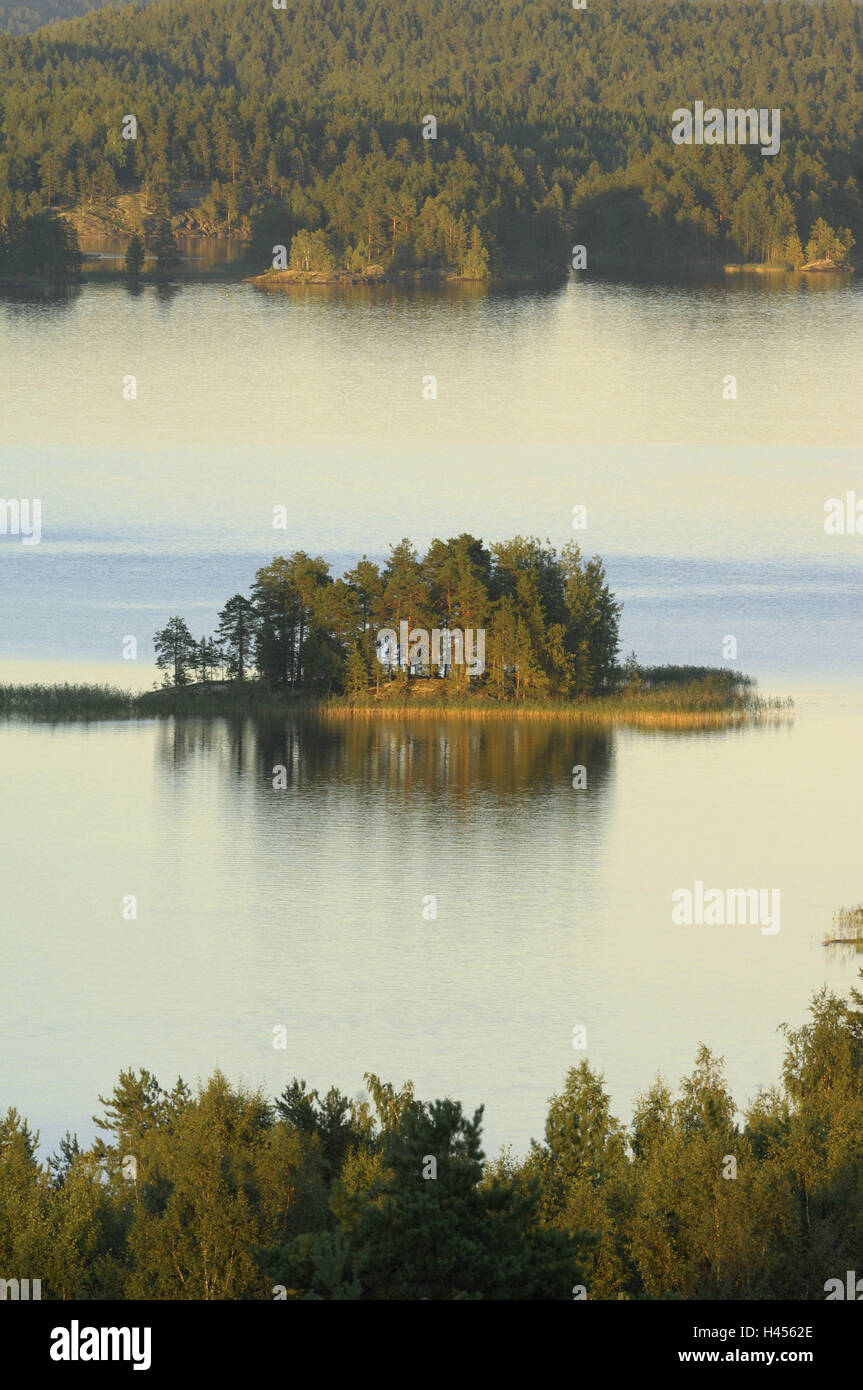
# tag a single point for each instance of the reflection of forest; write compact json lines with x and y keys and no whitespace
{"x":443,"y":758}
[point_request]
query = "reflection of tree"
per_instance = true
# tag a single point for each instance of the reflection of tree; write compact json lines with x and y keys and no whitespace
{"x":178,"y":741}
{"x":166,"y":293}
{"x":23,"y":302}
{"x":447,"y":761}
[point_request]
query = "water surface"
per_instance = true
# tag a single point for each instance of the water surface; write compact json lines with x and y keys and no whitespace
{"x":304,"y":907}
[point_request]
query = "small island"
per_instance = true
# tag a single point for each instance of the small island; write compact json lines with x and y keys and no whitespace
{"x":465,"y":630}
{"x":291,"y":278}
{"x":314,"y":260}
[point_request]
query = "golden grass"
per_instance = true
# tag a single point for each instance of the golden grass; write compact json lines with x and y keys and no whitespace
{"x":594,"y":712}
{"x":705,"y":704}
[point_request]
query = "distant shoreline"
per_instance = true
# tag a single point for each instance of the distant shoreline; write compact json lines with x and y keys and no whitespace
{"x":240,"y":269}
{"x":825,"y":267}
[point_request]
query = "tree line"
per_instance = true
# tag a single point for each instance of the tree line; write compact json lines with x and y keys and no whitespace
{"x":550,"y":620}
{"x":553,"y":127}
{"x":224,"y":1194}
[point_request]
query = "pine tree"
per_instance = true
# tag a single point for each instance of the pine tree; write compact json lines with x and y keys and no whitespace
{"x":134,"y":258}
{"x":475,"y":263}
{"x":165,"y":246}
{"x":431,"y":1228}
{"x":236,"y":633}
{"x":356,"y":674}
{"x":794,"y":251}
{"x":175,"y":651}
{"x":205,"y":659}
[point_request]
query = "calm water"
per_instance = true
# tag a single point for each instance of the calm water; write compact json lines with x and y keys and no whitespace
{"x":303,"y":907}
{"x":101,"y":253}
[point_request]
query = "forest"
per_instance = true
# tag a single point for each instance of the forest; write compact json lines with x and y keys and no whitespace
{"x":222,"y":1193}
{"x":23,"y":16}
{"x":550,"y":622}
{"x":553,"y":128}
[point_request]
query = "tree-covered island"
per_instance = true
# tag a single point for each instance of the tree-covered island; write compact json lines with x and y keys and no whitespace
{"x":514,"y":627}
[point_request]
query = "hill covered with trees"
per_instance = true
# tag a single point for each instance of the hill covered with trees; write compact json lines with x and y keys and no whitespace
{"x":222,"y":1193}
{"x":23,"y":16}
{"x":553,"y":126}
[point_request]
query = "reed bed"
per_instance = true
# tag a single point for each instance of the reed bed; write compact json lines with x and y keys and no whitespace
{"x":66,"y":701}
{"x":847,"y":928}
{"x":579,"y":714}
{"x":62,"y":702}
{"x":661,"y":709}
{"x":696,"y":705}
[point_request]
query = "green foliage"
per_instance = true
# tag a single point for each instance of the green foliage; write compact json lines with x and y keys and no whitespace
{"x":236,"y":635}
{"x":134,"y":263}
{"x":206,"y":660}
{"x":315,"y":1197}
{"x":551,"y":622}
{"x":310,"y":251}
{"x":23,"y":16}
{"x":66,"y":701}
{"x":165,"y":246}
{"x":553,"y":128}
{"x":793,"y":251}
{"x":337,"y":1124}
{"x":825,"y":244}
{"x":356,"y":673}
{"x":175,"y":649}
{"x":430,"y":1229}
{"x":39,"y":245}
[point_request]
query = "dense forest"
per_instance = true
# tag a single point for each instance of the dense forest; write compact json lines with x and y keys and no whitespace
{"x":223,"y":1194}
{"x":549,"y":622}
{"x":553,"y":127}
{"x":23,"y":16}
{"x":41,"y":245}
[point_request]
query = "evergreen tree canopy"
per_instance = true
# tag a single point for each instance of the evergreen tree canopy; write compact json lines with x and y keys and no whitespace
{"x":553,"y":127}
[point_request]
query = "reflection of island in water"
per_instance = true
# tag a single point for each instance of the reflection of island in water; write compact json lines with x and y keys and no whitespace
{"x":445,"y":760}
{"x":106,"y":252}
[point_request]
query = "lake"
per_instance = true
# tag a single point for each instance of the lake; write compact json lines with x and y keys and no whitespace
{"x":304,"y":907}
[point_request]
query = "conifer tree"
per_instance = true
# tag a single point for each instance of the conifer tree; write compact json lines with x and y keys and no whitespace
{"x":174,"y":646}
{"x":236,"y":632}
{"x":134,"y":263}
{"x":165,"y":246}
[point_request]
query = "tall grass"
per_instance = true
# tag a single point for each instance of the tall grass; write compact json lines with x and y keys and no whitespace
{"x":705,"y":703}
{"x":595,"y":712}
{"x":65,"y":701}
{"x":847,"y":928}
{"x":107,"y":702}
{"x":715,"y":700}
